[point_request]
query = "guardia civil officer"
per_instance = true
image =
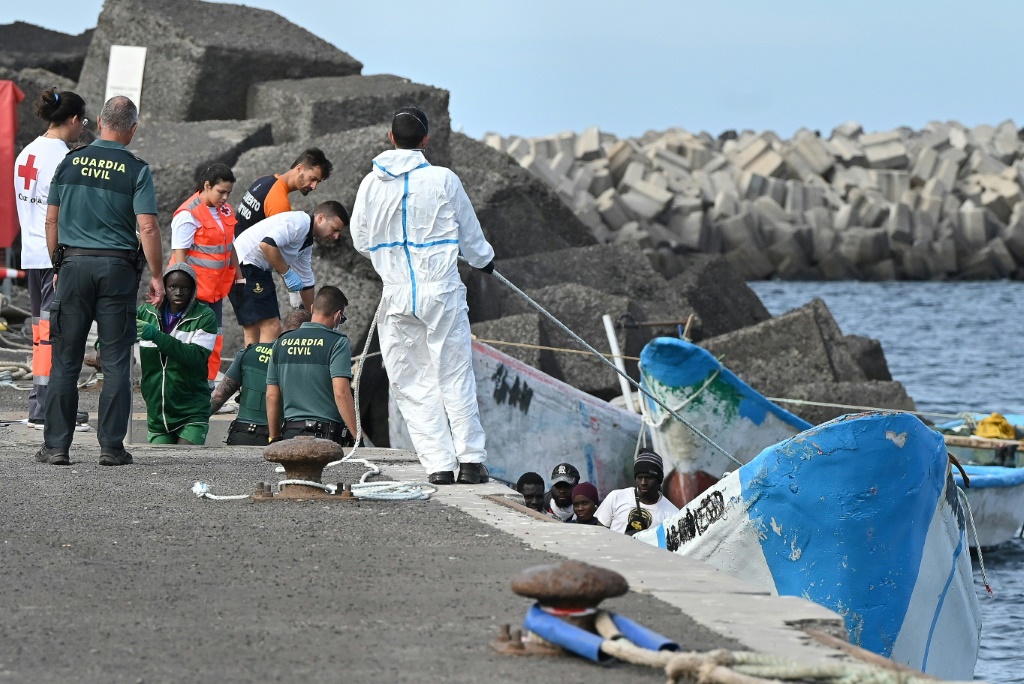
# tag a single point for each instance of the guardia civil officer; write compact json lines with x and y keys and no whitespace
{"x":309,"y":376}
{"x":97,"y":196}
{"x":248,"y":376}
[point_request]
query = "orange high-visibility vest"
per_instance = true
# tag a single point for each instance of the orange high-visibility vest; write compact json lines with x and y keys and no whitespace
{"x":210,"y":253}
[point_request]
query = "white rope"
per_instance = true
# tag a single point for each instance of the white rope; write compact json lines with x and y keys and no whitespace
{"x":202,"y":490}
{"x":977,"y":543}
{"x":967,"y":417}
{"x":661,"y":421}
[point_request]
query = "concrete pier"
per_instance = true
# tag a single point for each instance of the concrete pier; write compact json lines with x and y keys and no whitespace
{"x":122,"y":574}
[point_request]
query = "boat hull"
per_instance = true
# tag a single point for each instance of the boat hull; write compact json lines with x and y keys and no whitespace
{"x":860,"y":515}
{"x":996,"y":497}
{"x":692,"y":382}
{"x":533,"y":422}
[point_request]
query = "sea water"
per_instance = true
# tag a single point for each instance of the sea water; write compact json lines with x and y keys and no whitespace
{"x":955,"y":347}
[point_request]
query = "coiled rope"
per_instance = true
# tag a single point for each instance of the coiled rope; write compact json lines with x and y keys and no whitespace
{"x":579,"y":340}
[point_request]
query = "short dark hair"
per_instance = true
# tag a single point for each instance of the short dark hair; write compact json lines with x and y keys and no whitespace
{"x":530,"y":478}
{"x":294,"y":319}
{"x":119,"y":114}
{"x":215,"y":173}
{"x":57,"y":107}
{"x":330,"y":209}
{"x":329,"y":300}
{"x":314,"y":156}
{"x":409,"y":127}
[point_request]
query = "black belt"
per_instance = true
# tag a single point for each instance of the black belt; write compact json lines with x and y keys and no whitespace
{"x":250,"y":428}
{"x":325,"y":429}
{"x":128,"y":254}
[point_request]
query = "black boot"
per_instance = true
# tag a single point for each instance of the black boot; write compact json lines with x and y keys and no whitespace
{"x":442,"y":477}
{"x":472,"y":473}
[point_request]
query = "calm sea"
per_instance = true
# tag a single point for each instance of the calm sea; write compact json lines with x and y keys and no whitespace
{"x":955,"y":347}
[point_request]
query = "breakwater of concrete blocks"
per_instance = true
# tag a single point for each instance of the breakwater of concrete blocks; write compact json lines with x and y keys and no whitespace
{"x":944,"y":202}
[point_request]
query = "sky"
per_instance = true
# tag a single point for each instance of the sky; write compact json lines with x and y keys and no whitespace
{"x":539,"y":67}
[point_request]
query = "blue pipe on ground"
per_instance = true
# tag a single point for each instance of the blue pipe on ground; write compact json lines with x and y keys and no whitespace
{"x":561,"y":633}
{"x":641,"y":636}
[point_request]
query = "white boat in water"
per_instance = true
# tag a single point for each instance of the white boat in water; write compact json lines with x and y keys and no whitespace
{"x":996,"y":498}
{"x":534,"y":422}
{"x":860,"y":515}
{"x":693,"y":383}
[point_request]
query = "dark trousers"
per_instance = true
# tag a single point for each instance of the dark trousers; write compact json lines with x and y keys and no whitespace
{"x":239,"y":434}
{"x":101,"y":289}
{"x":40,"y":296}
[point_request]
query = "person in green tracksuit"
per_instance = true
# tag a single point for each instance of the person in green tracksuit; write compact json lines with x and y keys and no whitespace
{"x":176,"y":340}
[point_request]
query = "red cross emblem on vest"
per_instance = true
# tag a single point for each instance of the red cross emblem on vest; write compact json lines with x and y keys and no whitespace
{"x":28,"y":171}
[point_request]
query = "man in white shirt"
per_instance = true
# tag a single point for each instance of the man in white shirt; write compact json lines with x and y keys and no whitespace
{"x":638,"y":508}
{"x":282,"y":243}
{"x":33,"y":170}
{"x":411,"y":220}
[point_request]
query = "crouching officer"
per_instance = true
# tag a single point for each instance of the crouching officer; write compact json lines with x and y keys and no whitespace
{"x":248,"y":375}
{"x":310,"y":375}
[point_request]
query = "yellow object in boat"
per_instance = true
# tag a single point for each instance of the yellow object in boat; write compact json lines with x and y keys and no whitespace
{"x":995,"y":426}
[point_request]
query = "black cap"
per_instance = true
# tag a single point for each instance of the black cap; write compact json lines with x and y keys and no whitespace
{"x":565,"y":472}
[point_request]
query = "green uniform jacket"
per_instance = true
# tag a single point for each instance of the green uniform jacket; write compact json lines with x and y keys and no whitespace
{"x":174,"y":382}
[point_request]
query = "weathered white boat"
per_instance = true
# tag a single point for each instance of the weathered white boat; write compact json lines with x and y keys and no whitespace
{"x":693,"y":383}
{"x":860,"y":515}
{"x":969,"y":448}
{"x":534,"y":422}
{"x":996,"y":497}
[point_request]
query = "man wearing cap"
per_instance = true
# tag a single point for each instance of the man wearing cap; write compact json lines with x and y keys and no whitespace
{"x":558,"y":499}
{"x":411,"y":220}
{"x":638,"y":508}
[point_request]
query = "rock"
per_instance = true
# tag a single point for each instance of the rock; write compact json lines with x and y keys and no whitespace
{"x":718,"y":295}
{"x":873,"y":393}
{"x":302,"y":109}
{"x":750,"y":262}
{"x":868,"y":354}
{"x":203,"y":56}
{"x":32,"y":82}
{"x":580,"y":308}
{"x":519,"y":215}
{"x":520,"y":329}
{"x":178,"y":153}
{"x":802,"y":346}
{"x":26,"y":46}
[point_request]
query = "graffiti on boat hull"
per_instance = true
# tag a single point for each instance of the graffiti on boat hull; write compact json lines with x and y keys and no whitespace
{"x":516,"y":394}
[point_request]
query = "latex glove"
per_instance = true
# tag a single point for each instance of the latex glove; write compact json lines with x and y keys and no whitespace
{"x":146,"y":331}
{"x":295,"y":299}
{"x":488,"y":269}
{"x":292,"y":280}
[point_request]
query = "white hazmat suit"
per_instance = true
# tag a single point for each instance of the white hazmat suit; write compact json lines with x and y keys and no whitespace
{"x":412,"y":220}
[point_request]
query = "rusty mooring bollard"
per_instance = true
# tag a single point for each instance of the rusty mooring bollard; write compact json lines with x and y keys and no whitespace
{"x":569,"y":591}
{"x":303,"y":458}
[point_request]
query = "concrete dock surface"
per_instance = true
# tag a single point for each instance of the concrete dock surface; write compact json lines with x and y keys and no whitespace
{"x":123,"y":575}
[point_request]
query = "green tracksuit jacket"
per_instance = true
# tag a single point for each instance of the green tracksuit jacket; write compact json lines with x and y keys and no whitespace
{"x":174,"y":368}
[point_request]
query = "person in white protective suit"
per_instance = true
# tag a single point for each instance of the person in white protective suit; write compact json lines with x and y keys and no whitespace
{"x":412,"y":219}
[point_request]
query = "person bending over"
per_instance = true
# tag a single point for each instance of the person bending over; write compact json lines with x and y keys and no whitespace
{"x":634,"y":509}
{"x":176,"y":339}
{"x":248,"y":376}
{"x":282,"y":243}
{"x":309,"y":376}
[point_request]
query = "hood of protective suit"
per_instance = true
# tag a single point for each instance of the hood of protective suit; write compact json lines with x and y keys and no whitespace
{"x":191,"y":273}
{"x":392,"y":164}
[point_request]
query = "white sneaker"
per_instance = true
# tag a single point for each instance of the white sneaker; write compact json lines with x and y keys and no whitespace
{"x":34,"y":424}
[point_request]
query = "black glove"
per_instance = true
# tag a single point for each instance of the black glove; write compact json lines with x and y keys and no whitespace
{"x":488,"y":269}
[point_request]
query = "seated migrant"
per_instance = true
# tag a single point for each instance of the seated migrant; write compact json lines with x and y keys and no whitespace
{"x":176,"y":340}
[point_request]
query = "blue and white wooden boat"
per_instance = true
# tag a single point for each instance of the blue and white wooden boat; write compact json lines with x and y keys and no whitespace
{"x":968,"y":448}
{"x":996,"y":498}
{"x":692,"y":382}
{"x":860,"y":515}
{"x":534,"y":422}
